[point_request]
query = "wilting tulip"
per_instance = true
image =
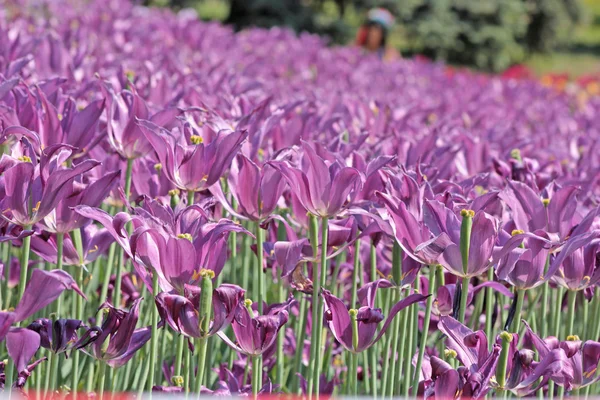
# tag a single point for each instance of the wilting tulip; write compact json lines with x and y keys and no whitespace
{"x":340,"y":319}
{"x":195,"y":166}
{"x":255,"y":334}
{"x":123,"y":339}
{"x":523,"y":266}
{"x":582,"y":358}
{"x":59,"y":336}
{"x":182,"y":313}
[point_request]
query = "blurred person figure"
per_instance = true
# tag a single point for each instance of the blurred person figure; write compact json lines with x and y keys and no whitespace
{"x":372,"y":35}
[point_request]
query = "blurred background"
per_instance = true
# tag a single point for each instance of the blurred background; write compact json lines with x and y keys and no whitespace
{"x":548,"y":38}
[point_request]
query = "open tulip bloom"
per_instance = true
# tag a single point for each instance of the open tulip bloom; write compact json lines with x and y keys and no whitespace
{"x":157,"y":172}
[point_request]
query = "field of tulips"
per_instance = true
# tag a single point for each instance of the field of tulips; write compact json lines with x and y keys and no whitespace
{"x":189,"y":209}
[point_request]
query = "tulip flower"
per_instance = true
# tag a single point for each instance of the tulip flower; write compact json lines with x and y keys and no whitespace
{"x":255,"y":334}
{"x":22,"y":344}
{"x":340,"y":322}
{"x":581,"y":358}
{"x":123,"y":339}
{"x":33,"y":191}
{"x":182,"y":313}
{"x":196,"y":166}
{"x":59,"y":336}
{"x":256,"y":189}
{"x":323,"y":189}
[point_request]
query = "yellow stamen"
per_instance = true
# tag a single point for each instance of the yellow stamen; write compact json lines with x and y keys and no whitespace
{"x":195,"y":139}
{"x":174,"y":192}
{"x":516,"y":232}
{"x":95,"y":249}
{"x":37,"y":206}
{"x":467,"y":213}
{"x":158,"y":167}
{"x":25,"y":159}
{"x":573,"y":338}
{"x":185,"y":236}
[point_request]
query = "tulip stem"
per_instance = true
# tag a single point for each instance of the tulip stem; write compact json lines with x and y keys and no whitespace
{"x":190,"y":197}
{"x":318,"y":322}
{"x":425,"y":332}
{"x":410,"y":315}
{"x":101,"y":379}
{"x":260,"y":238}
{"x":571,"y":297}
{"x":24,"y":263}
{"x":313,"y":230}
{"x":255,"y":375}
{"x":179,"y":354}
{"x":463,"y":298}
{"x":59,"y":265}
{"x":516,"y":322}
{"x":204,"y":319}
{"x":300,"y":333}
{"x":154,"y":338}
{"x":489,"y":309}
{"x":355,"y":273}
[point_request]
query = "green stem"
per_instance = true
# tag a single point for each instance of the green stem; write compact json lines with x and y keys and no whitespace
{"x":571,"y":297}
{"x":59,"y":265}
{"x":313,"y":230}
{"x":355,"y":273}
{"x":425,"y":331}
{"x":353,"y":314}
{"x":409,"y":345}
{"x":154,"y":338}
{"x":179,"y":354}
{"x":256,"y":376}
{"x":204,"y":318}
{"x":318,"y":322}
{"x":300,"y":333}
{"x":128,"y":172}
{"x":544,"y":310}
{"x":101,"y":379}
{"x":24,"y":263}
{"x":260,"y":238}
{"x":190,"y":197}
{"x":463,"y":298}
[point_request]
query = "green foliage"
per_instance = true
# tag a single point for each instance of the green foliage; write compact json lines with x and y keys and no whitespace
{"x":487,"y":34}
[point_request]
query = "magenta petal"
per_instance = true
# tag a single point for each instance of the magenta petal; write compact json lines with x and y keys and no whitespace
{"x":51,"y":283}
{"x":22,"y":344}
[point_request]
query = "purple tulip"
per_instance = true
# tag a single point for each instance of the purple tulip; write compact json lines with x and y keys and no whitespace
{"x":338,"y":318}
{"x":581,"y":358}
{"x":58,"y":336}
{"x":123,"y":339}
{"x":33,"y":191}
{"x":441,"y":220}
{"x":64,"y":219}
{"x":195,"y":166}
{"x":523,"y":266}
{"x":122,"y":111}
{"x":256,"y":189}
{"x":326,"y":188}
{"x":255,"y":334}
{"x":181,"y":313}
{"x":415,"y":238}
